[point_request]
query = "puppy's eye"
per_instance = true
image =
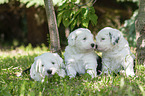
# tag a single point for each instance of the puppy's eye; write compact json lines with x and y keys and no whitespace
{"x":84,"y":38}
{"x":102,"y":38}
{"x":53,"y":62}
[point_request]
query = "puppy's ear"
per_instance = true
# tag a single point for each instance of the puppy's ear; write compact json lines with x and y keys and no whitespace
{"x":72,"y":38}
{"x":36,"y":58}
{"x":58,"y":57}
{"x":114,"y":38}
{"x":38,"y":65}
{"x":59,"y":60}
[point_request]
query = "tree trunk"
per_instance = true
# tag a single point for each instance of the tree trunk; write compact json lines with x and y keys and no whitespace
{"x":140,"y":33}
{"x":52,"y":25}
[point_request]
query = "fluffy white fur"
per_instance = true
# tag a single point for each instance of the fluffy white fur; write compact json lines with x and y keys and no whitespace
{"x":79,"y":54}
{"x":115,"y":51}
{"x":47,"y":64}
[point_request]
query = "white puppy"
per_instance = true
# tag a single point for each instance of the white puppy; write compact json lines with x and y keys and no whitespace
{"x":115,"y":51}
{"x":79,"y":54}
{"x":47,"y":64}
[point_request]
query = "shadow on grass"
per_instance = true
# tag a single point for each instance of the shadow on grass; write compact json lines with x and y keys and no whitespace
{"x":12,"y":65}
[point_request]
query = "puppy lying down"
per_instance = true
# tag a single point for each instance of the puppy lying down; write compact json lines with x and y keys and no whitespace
{"x":79,"y":55}
{"x":115,"y":51}
{"x":47,"y":64}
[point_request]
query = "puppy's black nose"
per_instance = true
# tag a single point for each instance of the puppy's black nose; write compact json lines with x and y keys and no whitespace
{"x":49,"y":71}
{"x":92,"y":45}
{"x":96,"y":46}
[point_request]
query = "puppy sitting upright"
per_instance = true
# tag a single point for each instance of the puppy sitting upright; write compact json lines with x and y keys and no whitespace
{"x":79,"y":54}
{"x":115,"y":51}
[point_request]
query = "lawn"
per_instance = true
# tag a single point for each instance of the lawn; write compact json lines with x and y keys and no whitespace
{"x":14,"y":61}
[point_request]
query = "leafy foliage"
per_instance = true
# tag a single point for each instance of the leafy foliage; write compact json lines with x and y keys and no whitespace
{"x":72,"y":14}
{"x":129,"y":29}
{"x":30,"y":3}
{"x":4,"y":1}
{"x":129,"y":25}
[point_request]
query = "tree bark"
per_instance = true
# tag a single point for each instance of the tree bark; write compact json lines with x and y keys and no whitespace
{"x":140,"y":33}
{"x":52,"y":25}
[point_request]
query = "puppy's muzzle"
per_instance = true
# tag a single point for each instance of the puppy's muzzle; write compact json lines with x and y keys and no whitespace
{"x":49,"y":71}
{"x":92,"y":45}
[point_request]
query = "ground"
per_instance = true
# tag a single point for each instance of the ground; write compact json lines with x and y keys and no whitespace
{"x":14,"y":61}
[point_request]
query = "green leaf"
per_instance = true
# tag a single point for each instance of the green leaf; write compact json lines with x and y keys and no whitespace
{"x":79,"y":20}
{"x":75,"y":14}
{"x":59,"y":18}
{"x":66,"y":22}
{"x":83,"y":11}
{"x":93,"y":18}
{"x":72,"y":14}
{"x":86,"y":12}
{"x":67,"y":13}
{"x":85,"y":23}
{"x":92,"y":10}
{"x":71,"y":6}
{"x":73,"y":24}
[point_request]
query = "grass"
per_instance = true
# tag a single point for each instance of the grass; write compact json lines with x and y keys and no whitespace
{"x":17,"y":60}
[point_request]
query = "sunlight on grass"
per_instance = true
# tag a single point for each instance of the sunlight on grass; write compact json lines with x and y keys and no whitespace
{"x":13,"y":61}
{"x":24,"y":51}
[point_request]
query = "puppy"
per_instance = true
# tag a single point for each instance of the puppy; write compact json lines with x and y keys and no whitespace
{"x":115,"y":51}
{"x":79,"y":54}
{"x":47,"y":64}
